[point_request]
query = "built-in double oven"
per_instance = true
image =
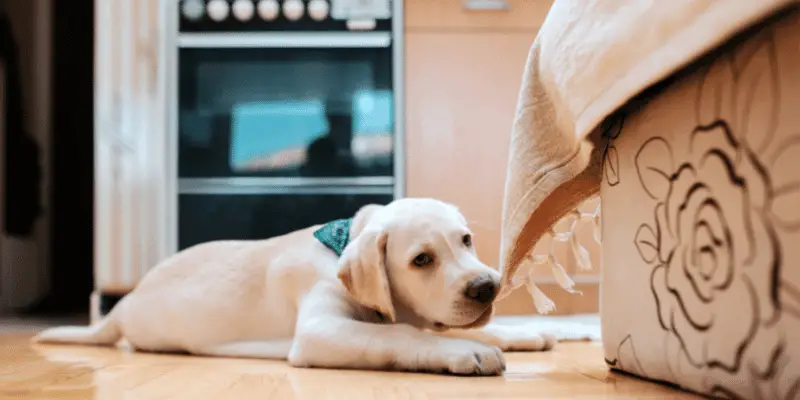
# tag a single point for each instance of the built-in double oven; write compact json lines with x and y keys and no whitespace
{"x":288,"y":114}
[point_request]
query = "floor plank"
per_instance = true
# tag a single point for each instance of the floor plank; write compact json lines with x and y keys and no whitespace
{"x":572,"y":370}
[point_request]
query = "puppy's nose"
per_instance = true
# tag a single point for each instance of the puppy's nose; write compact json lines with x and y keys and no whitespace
{"x":483,"y":290}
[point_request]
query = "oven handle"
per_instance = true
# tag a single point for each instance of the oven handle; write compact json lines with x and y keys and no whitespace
{"x":297,"y":185}
{"x":285,"y":40}
{"x":486,"y":5}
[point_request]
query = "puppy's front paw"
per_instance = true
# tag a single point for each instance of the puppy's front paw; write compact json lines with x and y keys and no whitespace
{"x":466,"y":357}
{"x":521,"y":339}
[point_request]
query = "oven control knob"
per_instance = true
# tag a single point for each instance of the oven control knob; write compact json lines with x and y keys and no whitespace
{"x":268,"y":9}
{"x":217,"y":9}
{"x":193,"y":9}
{"x":318,"y":9}
{"x":243,"y":10}
{"x":293,"y":9}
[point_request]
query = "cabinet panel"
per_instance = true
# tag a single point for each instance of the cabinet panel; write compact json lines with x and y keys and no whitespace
{"x":461,"y":95}
{"x":458,"y":15}
{"x":130,"y":141}
{"x":462,"y":91}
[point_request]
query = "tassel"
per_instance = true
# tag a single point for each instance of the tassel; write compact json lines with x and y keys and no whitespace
{"x":580,"y":254}
{"x":563,"y":279}
{"x":561,"y":237}
{"x":584,"y":263}
{"x":598,"y":233}
{"x":538,"y":259}
{"x":543,"y":303}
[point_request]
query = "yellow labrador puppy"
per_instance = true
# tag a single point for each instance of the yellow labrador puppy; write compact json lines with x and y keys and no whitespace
{"x":395,"y":287}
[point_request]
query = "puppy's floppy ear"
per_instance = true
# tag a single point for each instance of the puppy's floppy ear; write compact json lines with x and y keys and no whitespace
{"x":362,"y":217}
{"x":362,"y":271}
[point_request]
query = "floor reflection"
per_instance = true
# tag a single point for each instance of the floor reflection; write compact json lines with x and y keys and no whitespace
{"x":77,"y":372}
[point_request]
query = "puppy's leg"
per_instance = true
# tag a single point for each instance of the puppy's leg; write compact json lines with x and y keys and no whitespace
{"x":268,"y":349}
{"x":508,"y":338}
{"x":328,"y":337}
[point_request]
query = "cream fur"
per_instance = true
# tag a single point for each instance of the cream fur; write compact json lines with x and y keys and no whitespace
{"x":289,"y":297}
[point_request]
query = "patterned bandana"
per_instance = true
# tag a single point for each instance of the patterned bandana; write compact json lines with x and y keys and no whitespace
{"x":335,"y":235}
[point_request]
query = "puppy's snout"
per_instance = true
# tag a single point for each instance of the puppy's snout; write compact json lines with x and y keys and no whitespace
{"x":482,"y":289}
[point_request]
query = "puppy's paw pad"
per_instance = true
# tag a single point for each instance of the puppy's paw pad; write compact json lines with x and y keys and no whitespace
{"x":530,"y":342}
{"x":489,"y":362}
{"x":550,"y":341}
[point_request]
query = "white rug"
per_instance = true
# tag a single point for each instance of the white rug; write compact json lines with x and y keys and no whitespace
{"x":581,"y":327}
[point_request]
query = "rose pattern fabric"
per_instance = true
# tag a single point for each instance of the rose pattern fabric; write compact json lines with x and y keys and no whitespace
{"x":611,"y":129}
{"x":712,"y":250}
{"x":713,"y":239}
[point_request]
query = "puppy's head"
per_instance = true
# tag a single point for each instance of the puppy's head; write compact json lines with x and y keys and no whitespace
{"x":417,"y":255}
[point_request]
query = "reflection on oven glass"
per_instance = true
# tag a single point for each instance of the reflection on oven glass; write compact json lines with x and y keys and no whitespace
{"x":313,"y":137}
{"x":286,"y":112}
{"x":275,"y":134}
{"x":373,"y":119}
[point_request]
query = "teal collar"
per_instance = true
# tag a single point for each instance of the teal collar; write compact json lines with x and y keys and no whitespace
{"x":335,"y":235}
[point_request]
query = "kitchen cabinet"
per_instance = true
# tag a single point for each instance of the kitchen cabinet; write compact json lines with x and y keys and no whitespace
{"x":476,"y":15}
{"x":463,"y":74}
{"x":131,"y":141}
{"x":461,"y":93}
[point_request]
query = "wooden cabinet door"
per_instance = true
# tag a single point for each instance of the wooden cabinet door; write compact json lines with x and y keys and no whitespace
{"x":461,"y":97}
{"x":131,"y":140}
{"x":476,"y":15}
{"x":461,"y":93}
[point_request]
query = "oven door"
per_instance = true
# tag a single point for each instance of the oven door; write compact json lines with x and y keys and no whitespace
{"x":281,"y":130}
{"x":301,"y":105}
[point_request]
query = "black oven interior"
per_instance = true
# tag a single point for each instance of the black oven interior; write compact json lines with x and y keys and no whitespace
{"x":286,"y":112}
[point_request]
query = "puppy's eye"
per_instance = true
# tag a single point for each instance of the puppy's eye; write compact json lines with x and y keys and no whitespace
{"x":467,"y":240}
{"x":423,"y":259}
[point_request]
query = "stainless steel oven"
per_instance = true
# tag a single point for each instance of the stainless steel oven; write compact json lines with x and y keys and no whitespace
{"x":289,"y":113}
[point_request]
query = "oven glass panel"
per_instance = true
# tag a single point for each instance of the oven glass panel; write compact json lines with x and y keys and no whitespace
{"x":278,"y":112}
{"x":209,"y":217}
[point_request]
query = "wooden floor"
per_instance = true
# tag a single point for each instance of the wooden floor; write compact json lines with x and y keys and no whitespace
{"x":572,"y":370}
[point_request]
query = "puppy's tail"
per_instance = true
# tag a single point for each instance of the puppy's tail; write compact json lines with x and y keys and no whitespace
{"x":105,"y":333}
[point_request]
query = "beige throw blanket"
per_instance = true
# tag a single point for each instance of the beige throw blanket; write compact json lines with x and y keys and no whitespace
{"x":590,"y":58}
